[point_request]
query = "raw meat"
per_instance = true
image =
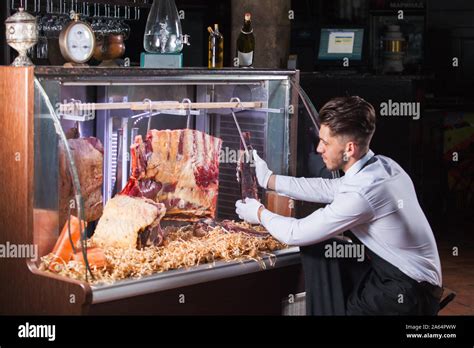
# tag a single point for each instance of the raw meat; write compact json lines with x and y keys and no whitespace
{"x":130,"y":222}
{"x":179,"y":168}
{"x":203,"y":226}
{"x":246,"y":171}
{"x":88,"y":155}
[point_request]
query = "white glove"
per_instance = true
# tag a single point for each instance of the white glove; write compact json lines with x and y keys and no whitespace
{"x":261,"y":170}
{"x":248,"y":210}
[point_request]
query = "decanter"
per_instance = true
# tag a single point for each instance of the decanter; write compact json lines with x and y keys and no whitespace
{"x":163,"y":33}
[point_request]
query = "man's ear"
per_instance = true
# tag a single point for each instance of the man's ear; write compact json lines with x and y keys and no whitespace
{"x":350,"y":148}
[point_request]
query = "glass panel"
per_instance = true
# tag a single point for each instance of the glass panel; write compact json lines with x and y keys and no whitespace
{"x":55,"y":151}
{"x":54,"y":168}
{"x":278,"y":137}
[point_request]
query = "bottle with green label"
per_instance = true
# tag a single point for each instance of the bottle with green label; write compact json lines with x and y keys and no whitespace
{"x":246,"y":43}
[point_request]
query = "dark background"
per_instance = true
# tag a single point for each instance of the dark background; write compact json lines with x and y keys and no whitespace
{"x":445,"y":188}
{"x":446,"y":27}
{"x":199,"y":15}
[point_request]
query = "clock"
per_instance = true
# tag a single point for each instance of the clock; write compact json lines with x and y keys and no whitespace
{"x":77,"y":42}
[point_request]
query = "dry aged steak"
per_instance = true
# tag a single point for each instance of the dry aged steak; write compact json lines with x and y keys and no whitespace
{"x":203,"y":226}
{"x":245,"y":171}
{"x":88,"y":155}
{"x":130,"y":222}
{"x":179,"y":168}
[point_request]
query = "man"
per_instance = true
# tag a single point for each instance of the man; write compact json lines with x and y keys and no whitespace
{"x":376,"y":200}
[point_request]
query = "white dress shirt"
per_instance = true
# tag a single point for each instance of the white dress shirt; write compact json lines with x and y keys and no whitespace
{"x":377,"y":203}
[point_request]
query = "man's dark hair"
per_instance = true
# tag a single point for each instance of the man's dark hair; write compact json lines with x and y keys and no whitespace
{"x":349,"y":116}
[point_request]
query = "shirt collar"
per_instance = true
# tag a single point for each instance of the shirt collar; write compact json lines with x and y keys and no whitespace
{"x":356,"y":167}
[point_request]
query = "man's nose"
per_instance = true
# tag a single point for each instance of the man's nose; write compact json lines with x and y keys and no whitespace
{"x":319,"y":148}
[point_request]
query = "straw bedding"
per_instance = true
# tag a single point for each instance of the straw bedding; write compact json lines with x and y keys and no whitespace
{"x":182,"y":248}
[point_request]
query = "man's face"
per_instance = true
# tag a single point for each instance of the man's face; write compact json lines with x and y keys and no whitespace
{"x":331,"y":149}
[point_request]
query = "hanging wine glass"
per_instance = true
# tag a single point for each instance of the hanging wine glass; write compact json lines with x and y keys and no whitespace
{"x":163,"y":32}
{"x":125,"y":30}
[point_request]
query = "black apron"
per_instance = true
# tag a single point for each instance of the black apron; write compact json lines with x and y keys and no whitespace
{"x":346,"y":286}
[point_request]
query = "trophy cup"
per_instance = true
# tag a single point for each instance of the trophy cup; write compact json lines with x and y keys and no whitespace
{"x":21,"y":33}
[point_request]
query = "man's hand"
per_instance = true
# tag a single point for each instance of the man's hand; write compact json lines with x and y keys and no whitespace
{"x":262,"y":171}
{"x":248,"y":210}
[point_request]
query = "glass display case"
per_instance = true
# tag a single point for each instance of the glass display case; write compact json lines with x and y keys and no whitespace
{"x":56,"y":106}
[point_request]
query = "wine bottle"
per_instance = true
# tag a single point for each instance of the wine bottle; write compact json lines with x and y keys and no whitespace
{"x":216,"y":48}
{"x":246,"y":43}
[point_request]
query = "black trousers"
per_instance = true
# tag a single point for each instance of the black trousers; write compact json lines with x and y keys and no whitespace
{"x":346,"y":286}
